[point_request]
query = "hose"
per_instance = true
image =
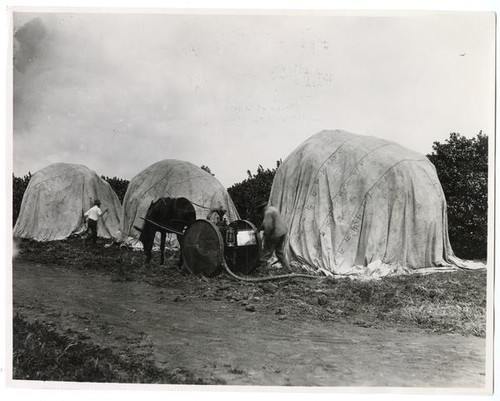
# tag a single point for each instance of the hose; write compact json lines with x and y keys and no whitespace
{"x":270,"y":278}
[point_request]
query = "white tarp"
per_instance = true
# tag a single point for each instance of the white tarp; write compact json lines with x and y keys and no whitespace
{"x":359,"y":205}
{"x":172,"y":178}
{"x":56,"y":198}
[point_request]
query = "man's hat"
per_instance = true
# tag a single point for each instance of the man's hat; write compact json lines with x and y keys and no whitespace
{"x":260,"y":205}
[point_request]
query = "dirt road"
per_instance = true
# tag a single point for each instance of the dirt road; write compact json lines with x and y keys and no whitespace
{"x":223,"y":340}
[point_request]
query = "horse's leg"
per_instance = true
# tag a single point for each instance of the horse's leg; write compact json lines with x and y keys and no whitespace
{"x":162,"y":247}
{"x":148,"y":246}
{"x":147,"y":262}
{"x":180,"y":239}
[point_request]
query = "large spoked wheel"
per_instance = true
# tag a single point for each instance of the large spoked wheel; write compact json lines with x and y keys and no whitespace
{"x":203,"y":248}
{"x":243,"y":257}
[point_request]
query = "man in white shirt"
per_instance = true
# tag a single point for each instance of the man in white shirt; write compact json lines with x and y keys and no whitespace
{"x":92,"y":216}
{"x":275,"y":233}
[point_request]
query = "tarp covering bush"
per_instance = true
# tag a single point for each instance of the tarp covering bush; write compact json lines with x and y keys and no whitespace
{"x":359,"y":205}
{"x":56,"y":198}
{"x":172,"y":178}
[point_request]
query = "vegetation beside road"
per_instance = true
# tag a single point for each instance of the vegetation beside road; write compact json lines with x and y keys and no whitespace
{"x":40,"y":353}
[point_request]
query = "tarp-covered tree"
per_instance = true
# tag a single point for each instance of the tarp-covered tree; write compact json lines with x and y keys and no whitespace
{"x":56,"y":198}
{"x":359,"y":205}
{"x":172,"y":178}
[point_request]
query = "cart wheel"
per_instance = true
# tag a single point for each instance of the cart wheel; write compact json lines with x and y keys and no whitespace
{"x":203,"y":248}
{"x":244,"y":257}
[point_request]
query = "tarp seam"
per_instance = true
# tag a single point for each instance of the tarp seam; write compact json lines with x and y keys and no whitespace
{"x":367,"y":194}
{"x":309,"y":190}
{"x":164,"y":176}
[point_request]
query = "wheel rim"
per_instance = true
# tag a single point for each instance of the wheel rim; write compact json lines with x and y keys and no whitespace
{"x":203,"y":248}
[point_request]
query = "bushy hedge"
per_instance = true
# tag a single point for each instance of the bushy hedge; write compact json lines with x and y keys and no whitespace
{"x":462,"y":168}
{"x":251,"y":191}
{"x":19,"y":185}
{"x":118,"y":185}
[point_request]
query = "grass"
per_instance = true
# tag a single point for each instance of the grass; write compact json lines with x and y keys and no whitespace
{"x":448,"y":302}
{"x":75,"y":253}
{"x":451,"y":302}
{"x":39,"y":353}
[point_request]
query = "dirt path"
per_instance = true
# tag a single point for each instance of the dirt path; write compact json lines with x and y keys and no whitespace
{"x":220,"y":339}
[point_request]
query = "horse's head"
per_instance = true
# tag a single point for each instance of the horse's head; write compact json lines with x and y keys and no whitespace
{"x":148,"y":230}
{"x":153,"y":208}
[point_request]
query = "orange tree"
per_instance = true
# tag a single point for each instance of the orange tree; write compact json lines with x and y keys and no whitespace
{"x":118,"y":185}
{"x":462,"y":168}
{"x":251,"y":191}
{"x":19,"y":185}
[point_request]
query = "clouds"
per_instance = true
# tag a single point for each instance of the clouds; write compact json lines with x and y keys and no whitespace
{"x":27,"y":45}
{"x":118,"y":92}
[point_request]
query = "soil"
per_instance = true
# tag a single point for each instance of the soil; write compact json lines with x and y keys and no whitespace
{"x":241,"y":342}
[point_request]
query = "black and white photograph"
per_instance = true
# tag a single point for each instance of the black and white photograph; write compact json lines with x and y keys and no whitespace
{"x":251,"y":199}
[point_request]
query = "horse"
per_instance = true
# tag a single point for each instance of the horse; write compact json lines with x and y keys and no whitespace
{"x":166,"y":215}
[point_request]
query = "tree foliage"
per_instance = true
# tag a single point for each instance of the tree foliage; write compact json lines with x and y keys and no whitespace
{"x":118,"y":185}
{"x":19,"y":185}
{"x":462,"y":168}
{"x":253,"y":190}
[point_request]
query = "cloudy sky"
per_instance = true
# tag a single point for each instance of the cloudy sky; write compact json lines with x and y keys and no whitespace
{"x":119,"y":92}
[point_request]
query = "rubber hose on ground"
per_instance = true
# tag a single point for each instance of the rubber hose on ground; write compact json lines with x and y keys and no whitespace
{"x":270,"y":278}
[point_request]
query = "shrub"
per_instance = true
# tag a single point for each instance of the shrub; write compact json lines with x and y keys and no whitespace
{"x":462,"y":168}
{"x":256,"y":188}
{"x":118,"y":185}
{"x":19,"y":186}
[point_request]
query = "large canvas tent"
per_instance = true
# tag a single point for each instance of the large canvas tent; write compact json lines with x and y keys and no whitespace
{"x":56,"y":198}
{"x":359,"y":205}
{"x":172,"y":178}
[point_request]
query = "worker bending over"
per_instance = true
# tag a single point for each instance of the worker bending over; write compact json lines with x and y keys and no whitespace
{"x":275,"y":235}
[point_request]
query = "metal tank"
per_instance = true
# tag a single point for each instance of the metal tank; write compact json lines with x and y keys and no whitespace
{"x":207,"y":246}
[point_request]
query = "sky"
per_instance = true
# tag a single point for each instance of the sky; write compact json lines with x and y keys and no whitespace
{"x":118,"y":92}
